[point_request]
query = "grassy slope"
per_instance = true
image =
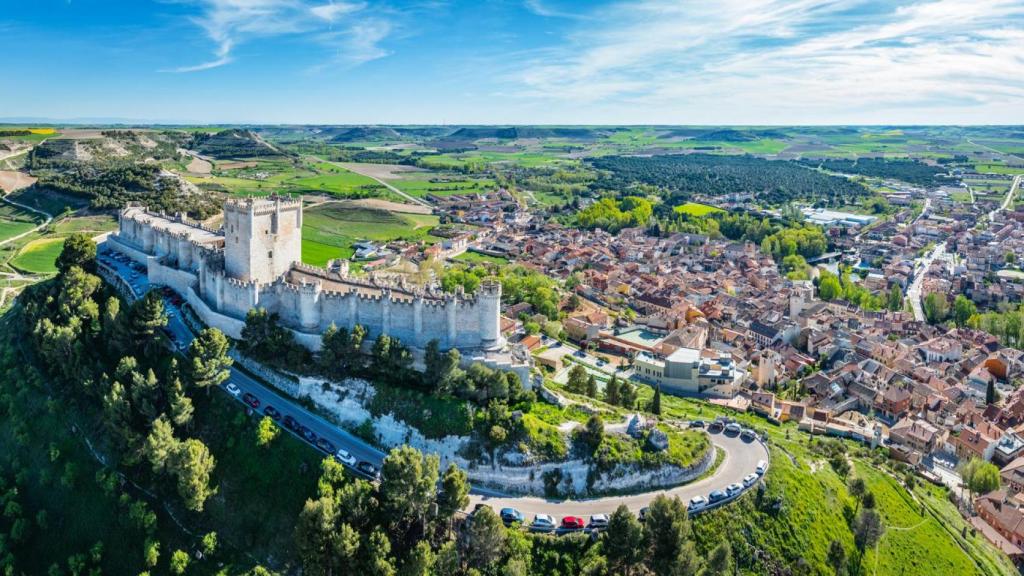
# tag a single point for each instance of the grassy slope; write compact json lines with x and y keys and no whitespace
{"x":329,"y":230}
{"x":39,"y":256}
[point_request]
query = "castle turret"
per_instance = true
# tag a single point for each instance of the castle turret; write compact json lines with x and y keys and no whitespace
{"x":489,"y":301}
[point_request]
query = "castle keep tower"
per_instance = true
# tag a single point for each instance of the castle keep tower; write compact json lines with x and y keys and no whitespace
{"x":263,"y":237}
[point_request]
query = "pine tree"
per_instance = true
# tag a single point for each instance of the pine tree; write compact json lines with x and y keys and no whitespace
{"x":656,"y":402}
{"x":592,"y":386}
{"x":611,"y":391}
{"x":208,"y":360}
{"x":991,"y":396}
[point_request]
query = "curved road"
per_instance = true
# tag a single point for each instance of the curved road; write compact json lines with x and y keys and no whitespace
{"x":740,"y":457}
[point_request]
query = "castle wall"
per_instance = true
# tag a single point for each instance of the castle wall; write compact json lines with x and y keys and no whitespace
{"x":180,"y":280}
{"x":263,"y":238}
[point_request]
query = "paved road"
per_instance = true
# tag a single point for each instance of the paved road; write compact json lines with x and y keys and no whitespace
{"x":920,"y":271}
{"x":741,"y":457}
{"x":383,"y":183}
{"x":1009,"y":197}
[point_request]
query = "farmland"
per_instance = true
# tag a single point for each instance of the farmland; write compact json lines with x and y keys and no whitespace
{"x":15,"y":221}
{"x":39,"y":256}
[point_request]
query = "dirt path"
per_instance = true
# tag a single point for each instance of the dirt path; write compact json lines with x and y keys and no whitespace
{"x":48,"y":219}
{"x":13,"y":180}
{"x":370,"y":174}
{"x":375,"y":203}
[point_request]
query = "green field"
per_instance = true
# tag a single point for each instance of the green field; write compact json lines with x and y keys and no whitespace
{"x":697,"y":210}
{"x":477,"y":258}
{"x":998,"y":169}
{"x":329,"y":230}
{"x":442,"y":186}
{"x":39,"y":256}
{"x":15,"y":221}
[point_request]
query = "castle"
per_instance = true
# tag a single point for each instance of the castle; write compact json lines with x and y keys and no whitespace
{"x":253,"y":261}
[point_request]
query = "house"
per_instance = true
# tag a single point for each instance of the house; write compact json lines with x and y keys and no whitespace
{"x":998,"y":511}
{"x":895,"y":402}
{"x":1012,"y":475}
{"x":916,"y":434}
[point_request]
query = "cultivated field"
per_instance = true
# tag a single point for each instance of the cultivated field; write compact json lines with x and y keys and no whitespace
{"x":329,"y":230}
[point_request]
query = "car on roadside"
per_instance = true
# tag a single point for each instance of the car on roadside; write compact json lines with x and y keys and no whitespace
{"x":573,"y":523}
{"x":251,"y":400}
{"x":642,"y":516}
{"x":542,"y":523}
{"x":734,"y":489}
{"x":598,"y":522}
{"x":272,"y":412}
{"x":717,"y":496}
{"x":232,"y":389}
{"x":733,"y":428}
{"x":697,"y":503}
{"x":291,"y":423}
{"x":344,"y":457}
{"x":750,"y":479}
{"x":748,"y":435}
{"x":306,"y":433}
{"x":762,"y":467}
{"x":511,"y":516}
{"x":716,"y":427}
{"x":369,"y":470}
{"x":325,"y":445}
{"x":696,"y":423}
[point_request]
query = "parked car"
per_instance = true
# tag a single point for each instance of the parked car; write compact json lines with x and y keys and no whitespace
{"x":643,"y":514}
{"x":325,"y":445}
{"x":542,"y":523}
{"x":572,"y":523}
{"x":696,"y":423}
{"x":716,"y":427}
{"x":762,"y":467}
{"x":598,"y":522}
{"x":368,"y":469}
{"x":697,"y":503}
{"x":734,"y":489}
{"x":750,"y":479}
{"x":717,"y":496}
{"x":272,"y":412}
{"x":232,"y":389}
{"x":733,"y":428}
{"x":511,"y":515}
{"x":251,"y":400}
{"x":345,"y":458}
{"x":291,"y":423}
{"x":306,"y":433}
{"x":748,"y":434}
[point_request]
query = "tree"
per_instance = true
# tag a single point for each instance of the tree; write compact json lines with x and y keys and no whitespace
{"x":79,"y":250}
{"x":1010,"y":258}
{"x":378,"y":555}
{"x":936,"y":308}
{"x":454,"y":494}
{"x":828,"y":287}
{"x":627,"y":394}
{"x":963,"y":309}
{"x":720,"y":562}
{"x":334,"y":350}
{"x":193,"y":465}
{"x":593,"y":432}
{"x":433,"y":362}
{"x":867,"y":528}
{"x":482,"y":540}
{"x":577,"y":381}
{"x":991,"y":396}
{"x":209,"y":543}
{"x":836,"y":557}
{"x":857,"y":488}
{"x":208,"y":361}
{"x":145,"y":318}
{"x":667,"y":533}
{"x":611,"y":391}
{"x":592,"y":386}
{"x":623,"y":543}
{"x":981,"y":477}
{"x":161,"y":445}
{"x":407,"y":485}
{"x":895,"y":299}
{"x":266,"y":431}
{"x":656,"y":402}
{"x":324,"y":546}
{"x":420,"y":561}
{"x":180,"y":405}
{"x":179,"y":562}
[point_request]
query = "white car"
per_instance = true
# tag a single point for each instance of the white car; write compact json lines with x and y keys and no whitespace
{"x":345,"y":458}
{"x":542,"y":523}
{"x":598,"y":522}
{"x":734,"y":428}
{"x":750,"y":479}
{"x":762,"y":467}
{"x":734,"y":489}
{"x":697,"y":503}
{"x":232,"y":389}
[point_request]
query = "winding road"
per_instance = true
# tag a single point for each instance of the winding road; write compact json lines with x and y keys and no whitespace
{"x":740,"y":457}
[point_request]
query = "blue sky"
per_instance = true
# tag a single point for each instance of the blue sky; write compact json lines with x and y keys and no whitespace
{"x":516,"y":61}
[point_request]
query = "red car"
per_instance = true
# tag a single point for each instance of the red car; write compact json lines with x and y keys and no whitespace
{"x":251,"y":400}
{"x":572,"y":523}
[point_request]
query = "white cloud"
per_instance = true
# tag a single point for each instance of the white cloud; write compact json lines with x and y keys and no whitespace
{"x":782,"y":60}
{"x":347,"y":29}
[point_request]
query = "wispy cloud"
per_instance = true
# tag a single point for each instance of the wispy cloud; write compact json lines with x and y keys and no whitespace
{"x":349,"y":31}
{"x":787,"y":55}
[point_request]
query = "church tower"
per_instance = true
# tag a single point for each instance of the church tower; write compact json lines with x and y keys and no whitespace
{"x":262,"y":237}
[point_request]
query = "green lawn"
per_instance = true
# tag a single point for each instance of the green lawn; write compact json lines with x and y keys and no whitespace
{"x":15,"y":221}
{"x":998,"y":169}
{"x":442,"y":186}
{"x":329,"y":230}
{"x":39,"y":256}
{"x":477,"y":258}
{"x":697,"y":210}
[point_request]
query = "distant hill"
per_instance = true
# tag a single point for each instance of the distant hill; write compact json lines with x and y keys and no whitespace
{"x":723,"y":135}
{"x":233,"y":143}
{"x":367,"y":133}
{"x":516,"y":132}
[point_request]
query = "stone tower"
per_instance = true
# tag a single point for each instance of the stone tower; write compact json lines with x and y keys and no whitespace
{"x":262,"y":237}
{"x":799,"y":297}
{"x":490,"y":313}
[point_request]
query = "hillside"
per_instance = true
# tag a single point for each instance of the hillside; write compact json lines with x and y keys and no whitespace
{"x":235,"y":143}
{"x":367,"y":133}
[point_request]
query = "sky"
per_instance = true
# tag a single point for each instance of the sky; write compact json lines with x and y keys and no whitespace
{"x":515,"y":61}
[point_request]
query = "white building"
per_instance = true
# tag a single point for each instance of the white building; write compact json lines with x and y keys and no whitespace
{"x":687,"y":372}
